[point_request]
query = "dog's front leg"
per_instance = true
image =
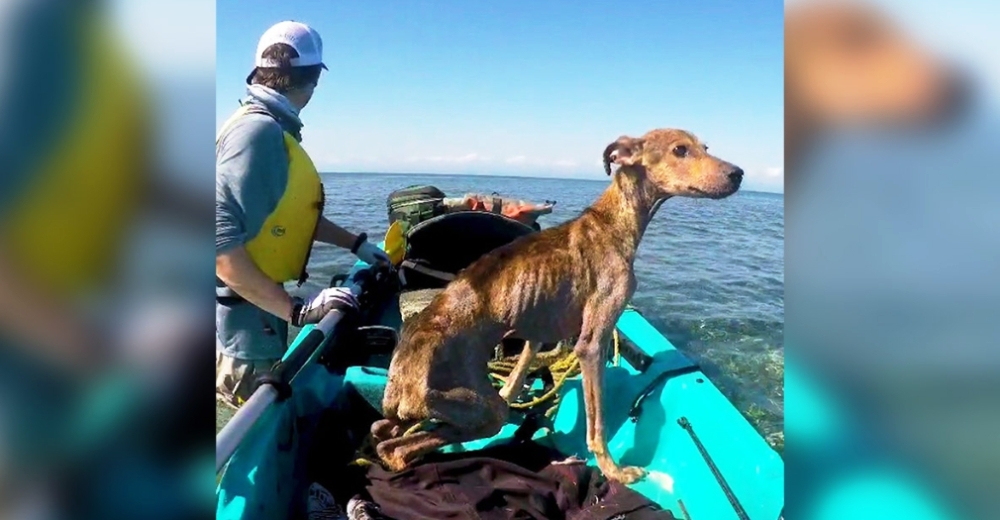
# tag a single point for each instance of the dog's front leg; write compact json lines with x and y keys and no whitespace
{"x":592,"y":363}
{"x":515,"y":381}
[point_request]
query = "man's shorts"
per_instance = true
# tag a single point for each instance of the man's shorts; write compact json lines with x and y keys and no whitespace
{"x":234,"y":378}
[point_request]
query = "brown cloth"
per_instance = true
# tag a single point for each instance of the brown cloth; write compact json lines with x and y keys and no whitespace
{"x":513,"y":481}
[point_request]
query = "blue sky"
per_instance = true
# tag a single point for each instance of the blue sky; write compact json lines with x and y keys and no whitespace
{"x":524,"y":88}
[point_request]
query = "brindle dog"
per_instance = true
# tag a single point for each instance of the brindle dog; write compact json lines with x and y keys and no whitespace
{"x":572,"y":280}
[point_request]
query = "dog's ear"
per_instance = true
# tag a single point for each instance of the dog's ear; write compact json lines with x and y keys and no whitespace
{"x":623,"y":152}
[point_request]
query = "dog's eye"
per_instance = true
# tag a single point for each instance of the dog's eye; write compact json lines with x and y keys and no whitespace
{"x":861,"y":36}
{"x":681,"y":151}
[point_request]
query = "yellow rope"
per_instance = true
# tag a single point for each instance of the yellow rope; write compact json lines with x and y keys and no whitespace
{"x":561,"y":362}
{"x":366,"y":454}
{"x":416,"y":427}
{"x":571,"y":370}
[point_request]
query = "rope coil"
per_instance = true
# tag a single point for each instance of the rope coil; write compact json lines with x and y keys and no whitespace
{"x":561,"y":362}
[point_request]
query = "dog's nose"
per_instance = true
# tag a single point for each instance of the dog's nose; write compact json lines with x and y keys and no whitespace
{"x":958,"y":95}
{"x":736,"y":175}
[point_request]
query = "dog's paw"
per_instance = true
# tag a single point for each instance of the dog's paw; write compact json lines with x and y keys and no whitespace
{"x":390,"y":459}
{"x":394,"y":464}
{"x":384,"y":429}
{"x":510,"y":395}
{"x":626,"y":475}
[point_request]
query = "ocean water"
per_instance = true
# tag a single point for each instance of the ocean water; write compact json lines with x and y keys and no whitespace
{"x":710,"y":272}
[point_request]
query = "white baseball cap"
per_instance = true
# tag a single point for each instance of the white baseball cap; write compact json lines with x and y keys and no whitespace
{"x":299,"y":36}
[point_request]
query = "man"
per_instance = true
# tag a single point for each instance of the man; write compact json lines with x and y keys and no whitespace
{"x":269,"y":209}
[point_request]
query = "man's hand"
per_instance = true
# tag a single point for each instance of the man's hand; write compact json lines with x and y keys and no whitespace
{"x":371,"y":254}
{"x":313,"y":310}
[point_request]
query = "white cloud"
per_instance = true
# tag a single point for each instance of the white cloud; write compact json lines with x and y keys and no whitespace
{"x":472,"y":162}
{"x":323,"y":156}
{"x":771,"y":174}
{"x":766,"y":179}
{"x":328,"y":159}
{"x":521,"y":160}
{"x":454,"y":159}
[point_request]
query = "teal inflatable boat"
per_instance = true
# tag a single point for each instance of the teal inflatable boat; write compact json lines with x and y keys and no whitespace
{"x":704,"y":459}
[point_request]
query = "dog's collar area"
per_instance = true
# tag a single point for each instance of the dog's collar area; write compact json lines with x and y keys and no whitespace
{"x":656,"y":206}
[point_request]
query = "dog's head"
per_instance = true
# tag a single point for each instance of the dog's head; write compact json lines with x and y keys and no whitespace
{"x":676,"y":163}
{"x":846,"y":64}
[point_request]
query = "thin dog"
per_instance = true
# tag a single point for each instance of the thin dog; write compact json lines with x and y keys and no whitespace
{"x":568,"y":281}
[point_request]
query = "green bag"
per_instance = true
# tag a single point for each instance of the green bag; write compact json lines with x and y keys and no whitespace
{"x":414,"y":204}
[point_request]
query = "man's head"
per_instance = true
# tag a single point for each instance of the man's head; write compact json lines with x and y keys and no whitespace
{"x":289,"y":60}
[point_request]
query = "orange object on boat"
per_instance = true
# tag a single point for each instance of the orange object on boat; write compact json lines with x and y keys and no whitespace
{"x":520,"y":210}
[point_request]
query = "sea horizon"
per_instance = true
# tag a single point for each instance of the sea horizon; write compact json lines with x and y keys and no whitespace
{"x":510,"y":176}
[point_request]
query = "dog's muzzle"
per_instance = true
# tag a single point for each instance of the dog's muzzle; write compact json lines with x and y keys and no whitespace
{"x":736,"y":176}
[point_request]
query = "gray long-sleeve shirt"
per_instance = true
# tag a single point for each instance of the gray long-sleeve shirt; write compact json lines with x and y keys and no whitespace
{"x":251,"y":172}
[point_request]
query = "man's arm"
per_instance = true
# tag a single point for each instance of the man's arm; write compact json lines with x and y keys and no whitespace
{"x":235,"y":268}
{"x":330,"y":233}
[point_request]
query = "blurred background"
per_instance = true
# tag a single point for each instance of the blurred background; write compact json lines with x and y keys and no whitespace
{"x":106,"y":131}
{"x":892,"y":277}
{"x":892,"y":389}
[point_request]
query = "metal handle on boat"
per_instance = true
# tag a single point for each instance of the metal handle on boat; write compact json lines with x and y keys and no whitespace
{"x":632,"y":354}
{"x":271,"y":388}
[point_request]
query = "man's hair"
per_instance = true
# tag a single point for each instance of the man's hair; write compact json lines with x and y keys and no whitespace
{"x":285,"y":78}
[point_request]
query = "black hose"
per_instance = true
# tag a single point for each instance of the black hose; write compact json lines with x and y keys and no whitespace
{"x":733,"y":501}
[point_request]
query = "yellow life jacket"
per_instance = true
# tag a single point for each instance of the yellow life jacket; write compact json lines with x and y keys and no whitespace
{"x":65,"y":231}
{"x":281,"y":248}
